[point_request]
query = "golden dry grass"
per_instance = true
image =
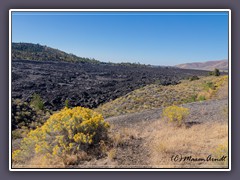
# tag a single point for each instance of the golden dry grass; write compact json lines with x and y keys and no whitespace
{"x":119,"y":135}
{"x":112,"y":153}
{"x":155,"y":96}
{"x":199,"y":141}
{"x":41,"y":162}
{"x":162,"y":140}
{"x":222,"y":91}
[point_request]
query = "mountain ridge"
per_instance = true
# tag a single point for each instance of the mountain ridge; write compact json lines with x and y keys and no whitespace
{"x":207,"y":65}
{"x":38,"y":52}
{"x":31,"y":51}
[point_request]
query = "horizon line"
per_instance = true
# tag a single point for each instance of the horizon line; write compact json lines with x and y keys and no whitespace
{"x":222,"y":59}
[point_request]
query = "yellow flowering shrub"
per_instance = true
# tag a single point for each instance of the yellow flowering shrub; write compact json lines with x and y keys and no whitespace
{"x":175,"y":113}
{"x":64,"y":133}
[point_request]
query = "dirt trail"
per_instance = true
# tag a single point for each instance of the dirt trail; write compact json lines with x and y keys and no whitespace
{"x":205,"y":111}
{"x":135,"y":153}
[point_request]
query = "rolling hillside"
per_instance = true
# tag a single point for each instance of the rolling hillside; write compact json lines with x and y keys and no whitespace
{"x":209,"y":65}
{"x":156,"y":96}
{"x":29,"y":51}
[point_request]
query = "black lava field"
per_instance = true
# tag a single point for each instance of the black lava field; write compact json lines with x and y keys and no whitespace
{"x":86,"y":84}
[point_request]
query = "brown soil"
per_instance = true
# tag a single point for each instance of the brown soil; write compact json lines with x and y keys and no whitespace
{"x":135,"y":146}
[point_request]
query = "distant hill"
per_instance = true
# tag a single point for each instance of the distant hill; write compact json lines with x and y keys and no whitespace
{"x":29,"y":51}
{"x":209,"y":65}
{"x":37,"y":52}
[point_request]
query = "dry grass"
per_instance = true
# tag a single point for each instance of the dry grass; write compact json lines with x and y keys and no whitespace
{"x":161,"y":139}
{"x":222,"y":91}
{"x":112,"y":153}
{"x":199,"y":141}
{"x":119,"y":135}
{"x":155,"y":96}
{"x":41,"y":162}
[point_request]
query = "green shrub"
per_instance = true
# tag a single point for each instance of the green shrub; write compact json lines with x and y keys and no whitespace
{"x":22,"y":114}
{"x":190,"y":99}
{"x":201,"y":98}
{"x":66,"y":103}
{"x":16,"y":134}
{"x":64,"y":133}
{"x":209,"y":85}
{"x":176,"y":114}
{"x":215,"y":72}
{"x":37,"y":102}
{"x":193,"y":78}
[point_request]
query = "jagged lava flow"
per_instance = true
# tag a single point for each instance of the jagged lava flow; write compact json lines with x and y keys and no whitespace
{"x":86,"y":84}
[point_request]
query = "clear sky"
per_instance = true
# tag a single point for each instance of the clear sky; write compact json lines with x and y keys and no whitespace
{"x":157,"y":38}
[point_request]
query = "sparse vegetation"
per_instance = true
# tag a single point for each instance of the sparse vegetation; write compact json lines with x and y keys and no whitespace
{"x":155,"y":96}
{"x":22,"y":114}
{"x":220,"y":152}
{"x":199,"y":141}
{"x":192,"y":98}
{"x":25,"y":117}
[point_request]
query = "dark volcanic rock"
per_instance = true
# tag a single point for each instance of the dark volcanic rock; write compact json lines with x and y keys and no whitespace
{"x":85,"y":84}
{"x":22,"y":114}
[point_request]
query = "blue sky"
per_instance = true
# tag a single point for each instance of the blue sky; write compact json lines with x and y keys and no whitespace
{"x":157,"y":38}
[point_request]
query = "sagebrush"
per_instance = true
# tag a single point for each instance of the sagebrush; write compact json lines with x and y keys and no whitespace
{"x":176,"y":114}
{"x":65,"y":133}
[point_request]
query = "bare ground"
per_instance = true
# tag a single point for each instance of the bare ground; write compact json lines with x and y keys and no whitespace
{"x":136,"y":151}
{"x":145,"y":140}
{"x":205,"y":111}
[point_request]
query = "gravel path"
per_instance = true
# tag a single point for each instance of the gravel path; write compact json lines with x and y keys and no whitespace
{"x":137,"y":153}
{"x":208,"y":111}
{"x":200,"y":112}
{"x":134,"y":152}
